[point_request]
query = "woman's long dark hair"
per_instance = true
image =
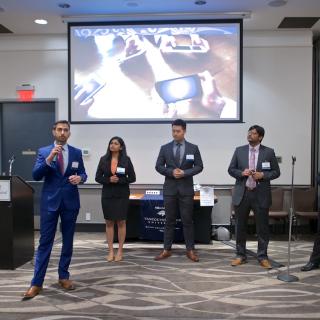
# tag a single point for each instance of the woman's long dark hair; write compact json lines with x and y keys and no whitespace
{"x":122,"y":152}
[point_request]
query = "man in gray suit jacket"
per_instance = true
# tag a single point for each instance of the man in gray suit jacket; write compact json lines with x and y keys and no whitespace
{"x":253,"y":166}
{"x":179,"y":161}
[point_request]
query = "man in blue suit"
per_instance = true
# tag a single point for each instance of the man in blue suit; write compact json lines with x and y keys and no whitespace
{"x":179,"y":160}
{"x":61,"y":166}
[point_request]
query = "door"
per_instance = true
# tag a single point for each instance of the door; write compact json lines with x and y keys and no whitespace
{"x":25,"y":126}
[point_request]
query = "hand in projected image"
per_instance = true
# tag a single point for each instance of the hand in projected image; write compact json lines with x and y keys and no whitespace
{"x":170,"y":110}
{"x":81,"y":102}
{"x":160,"y":68}
{"x":134,"y":46}
{"x":211,"y":99}
{"x":184,"y":43}
{"x":80,"y":97}
{"x":198,"y":41}
{"x":123,"y":47}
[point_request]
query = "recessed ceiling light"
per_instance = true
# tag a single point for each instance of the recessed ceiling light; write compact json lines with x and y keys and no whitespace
{"x":64,"y":5}
{"x":40,"y":21}
{"x":200,"y":2}
{"x":132,"y":4}
{"x":277,"y":3}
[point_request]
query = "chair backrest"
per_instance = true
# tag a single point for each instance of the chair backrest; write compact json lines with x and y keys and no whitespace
{"x":304,"y":199}
{"x":277,"y":199}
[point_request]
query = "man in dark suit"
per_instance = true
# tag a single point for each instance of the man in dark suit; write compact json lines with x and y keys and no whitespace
{"x":253,"y":166}
{"x":314,"y":261}
{"x":62,"y":168}
{"x":179,"y":161}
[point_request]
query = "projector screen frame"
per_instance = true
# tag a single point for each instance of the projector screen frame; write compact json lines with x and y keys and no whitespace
{"x":158,"y":23}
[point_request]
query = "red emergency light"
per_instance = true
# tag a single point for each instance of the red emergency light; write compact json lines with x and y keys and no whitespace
{"x":25,"y":93}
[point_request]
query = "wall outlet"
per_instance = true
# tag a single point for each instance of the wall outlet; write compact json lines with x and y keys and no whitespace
{"x":85,"y":152}
{"x":88,"y":216}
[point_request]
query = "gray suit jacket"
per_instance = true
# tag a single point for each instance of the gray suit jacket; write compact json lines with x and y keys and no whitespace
{"x":240,"y":161}
{"x":165,"y":165}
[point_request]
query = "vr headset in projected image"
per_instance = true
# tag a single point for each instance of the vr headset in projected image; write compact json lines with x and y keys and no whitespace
{"x":174,"y":90}
{"x":155,"y":71}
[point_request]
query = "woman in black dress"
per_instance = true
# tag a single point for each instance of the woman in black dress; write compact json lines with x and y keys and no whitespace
{"x":115,"y":171}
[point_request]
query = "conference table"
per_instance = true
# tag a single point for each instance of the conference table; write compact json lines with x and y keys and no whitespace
{"x":146,"y":219}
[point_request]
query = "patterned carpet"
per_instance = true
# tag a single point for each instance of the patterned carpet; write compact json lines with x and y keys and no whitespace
{"x":141,"y":288}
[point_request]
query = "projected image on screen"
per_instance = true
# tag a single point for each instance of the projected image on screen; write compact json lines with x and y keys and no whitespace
{"x":155,"y":72}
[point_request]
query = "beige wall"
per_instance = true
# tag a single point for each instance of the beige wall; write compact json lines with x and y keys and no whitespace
{"x":277,"y":87}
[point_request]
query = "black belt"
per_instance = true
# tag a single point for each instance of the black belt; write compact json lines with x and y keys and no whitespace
{"x":250,"y":189}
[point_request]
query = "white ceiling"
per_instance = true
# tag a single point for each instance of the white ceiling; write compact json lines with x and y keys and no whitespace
{"x":18,"y":15}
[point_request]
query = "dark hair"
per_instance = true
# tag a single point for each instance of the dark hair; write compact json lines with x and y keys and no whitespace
{"x":259,"y":130}
{"x":62,"y":122}
{"x":122,"y":152}
{"x":180,"y":122}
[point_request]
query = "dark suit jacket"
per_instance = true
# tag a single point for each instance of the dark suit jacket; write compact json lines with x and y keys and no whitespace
{"x":115,"y":190}
{"x":56,"y":187}
{"x":165,"y":165}
{"x":240,"y":162}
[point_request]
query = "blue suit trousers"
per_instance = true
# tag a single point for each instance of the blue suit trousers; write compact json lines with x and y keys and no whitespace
{"x":48,"y":226}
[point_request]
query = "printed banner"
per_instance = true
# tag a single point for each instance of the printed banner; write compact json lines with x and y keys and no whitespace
{"x":153,"y":219}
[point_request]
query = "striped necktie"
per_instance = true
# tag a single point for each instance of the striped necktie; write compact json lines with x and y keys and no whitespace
{"x":60,"y":162}
{"x":251,"y":183}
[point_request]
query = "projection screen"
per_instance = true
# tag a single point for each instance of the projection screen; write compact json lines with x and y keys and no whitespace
{"x":155,"y":71}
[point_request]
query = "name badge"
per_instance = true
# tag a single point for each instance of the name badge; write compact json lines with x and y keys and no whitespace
{"x":189,"y":157}
{"x":75,"y":165}
{"x":121,"y":170}
{"x":266,"y":165}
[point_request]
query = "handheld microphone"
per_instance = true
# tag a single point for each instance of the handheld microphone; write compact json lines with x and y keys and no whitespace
{"x":58,"y":143}
{"x":293,"y":159}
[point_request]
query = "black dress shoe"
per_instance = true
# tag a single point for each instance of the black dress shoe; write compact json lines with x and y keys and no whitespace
{"x":310,"y":266}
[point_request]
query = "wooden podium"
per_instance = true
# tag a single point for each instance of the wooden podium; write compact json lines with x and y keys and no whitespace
{"x":16,"y":222}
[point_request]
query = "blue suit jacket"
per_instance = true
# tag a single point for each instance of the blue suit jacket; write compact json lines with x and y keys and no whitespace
{"x":166,"y":164}
{"x":56,"y":187}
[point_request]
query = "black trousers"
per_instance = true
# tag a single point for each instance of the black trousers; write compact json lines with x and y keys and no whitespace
{"x":315,"y":255}
{"x":250,"y":202}
{"x":185,"y":205}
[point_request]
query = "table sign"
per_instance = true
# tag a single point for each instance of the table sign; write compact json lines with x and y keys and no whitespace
{"x":5,"y":192}
{"x":206,"y":196}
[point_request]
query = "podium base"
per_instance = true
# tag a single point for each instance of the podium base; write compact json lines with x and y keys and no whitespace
{"x":287,"y":277}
